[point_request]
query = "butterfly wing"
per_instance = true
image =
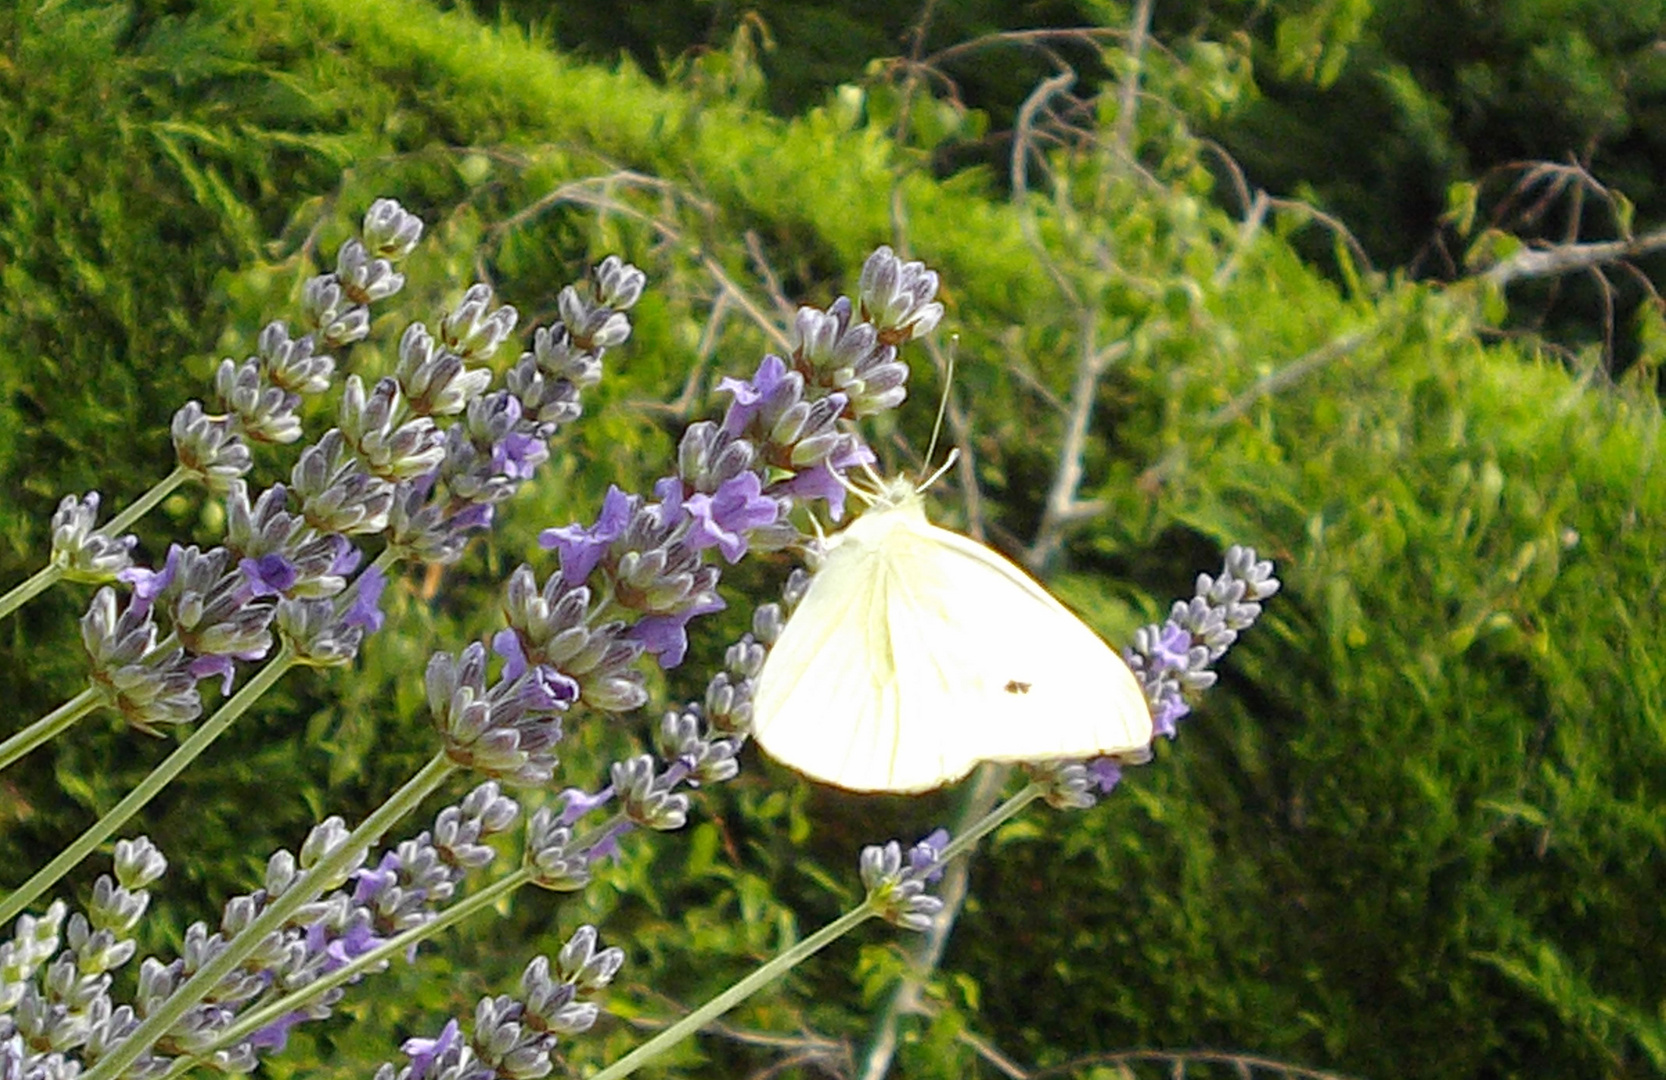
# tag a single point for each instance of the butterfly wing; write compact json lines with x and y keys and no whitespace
{"x":1031,"y":681}
{"x":828,"y":702}
{"x":917,"y":653}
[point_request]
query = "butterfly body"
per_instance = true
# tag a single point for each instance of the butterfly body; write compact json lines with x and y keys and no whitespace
{"x":917,"y":653}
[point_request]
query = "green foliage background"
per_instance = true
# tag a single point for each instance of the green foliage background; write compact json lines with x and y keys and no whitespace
{"x":1418,"y":828}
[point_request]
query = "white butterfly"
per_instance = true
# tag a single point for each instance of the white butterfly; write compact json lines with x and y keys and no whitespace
{"x":918,"y":653}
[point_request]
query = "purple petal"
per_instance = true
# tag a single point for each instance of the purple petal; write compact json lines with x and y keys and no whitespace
{"x":1173,"y":645}
{"x":579,"y":802}
{"x":203,"y":666}
{"x":507,"y":644}
{"x":519,"y":455}
{"x":1105,"y":773}
{"x":424,"y":1052}
{"x":582,"y":548}
{"x":347,"y":557}
{"x":365,"y":611}
{"x":723,"y":519}
{"x":748,"y":396}
{"x":548,"y":689}
{"x":664,"y":635}
{"x":148,"y":584}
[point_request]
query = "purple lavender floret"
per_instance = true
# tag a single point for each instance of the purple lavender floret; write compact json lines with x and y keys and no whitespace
{"x":1175,"y":657}
{"x":1170,"y":660}
{"x":516,"y":1038}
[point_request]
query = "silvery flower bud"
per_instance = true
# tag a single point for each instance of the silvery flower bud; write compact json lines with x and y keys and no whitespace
{"x":618,"y":284}
{"x":546,"y":402}
{"x":318,"y":637}
{"x":474,"y":332}
{"x":364,"y":279}
{"x":289,"y":363}
{"x":209,"y":447}
{"x":81,"y":553}
{"x":593,"y":326}
{"x":897,"y":296}
{"x":389,"y":452}
{"x":548,"y":856}
{"x":335,"y":318}
{"x":335,"y":496}
{"x":647,"y":797}
{"x":267,"y":413}
{"x":434,"y":381}
{"x":390,"y":231}
{"x":558,"y":356}
{"x":587,"y":968}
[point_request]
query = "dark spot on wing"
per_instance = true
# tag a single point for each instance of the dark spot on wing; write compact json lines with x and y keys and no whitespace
{"x":1013,"y":686}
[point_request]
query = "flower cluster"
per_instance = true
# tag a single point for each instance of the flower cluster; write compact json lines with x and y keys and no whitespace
{"x":79,"y":550}
{"x":387,"y":468}
{"x":1171,"y":659}
{"x":516,"y":1038}
{"x":897,"y":887}
{"x":57,"y":1015}
{"x":629,"y":584}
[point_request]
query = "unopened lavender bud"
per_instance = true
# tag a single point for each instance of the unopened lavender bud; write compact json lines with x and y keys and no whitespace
{"x":315,"y":634}
{"x":594,"y":327}
{"x":365,"y":279}
{"x":335,"y":496}
{"x":549,"y":855}
{"x":587,"y":968}
{"x":326,"y":308}
{"x":281,"y":873}
{"x":263,"y":528}
{"x":326,"y":838}
{"x":493,"y":811}
{"x":137,"y":863}
{"x":473,"y":329}
{"x":81,"y":553}
{"x":390,"y":231}
{"x":267,"y":413}
{"x":289,"y":363}
{"x":558,"y":356}
{"x":646,"y":797}
{"x":209,"y":447}
{"x":897,"y":891}
{"x":1069,"y":785}
{"x":897,"y":296}
{"x":114,"y":908}
{"x":435,"y":382}
{"x":391,"y":453}
{"x":619,"y":284}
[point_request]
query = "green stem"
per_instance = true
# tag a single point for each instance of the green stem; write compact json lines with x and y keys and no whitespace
{"x":160,"y":777}
{"x":253,"y":1021}
{"x":973,"y":820}
{"x":48,"y":727}
{"x":31,"y":587}
{"x":146,"y":502}
{"x":327,"y":873}
{"x":48,"y":576}
{"x":736,"y":994}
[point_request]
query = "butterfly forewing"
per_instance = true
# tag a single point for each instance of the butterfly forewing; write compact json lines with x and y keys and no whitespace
{"x":1039,"y":683}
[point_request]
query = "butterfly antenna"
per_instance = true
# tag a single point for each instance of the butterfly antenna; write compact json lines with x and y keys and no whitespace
{"x":954,"y":456}
{"x":942,"y":409}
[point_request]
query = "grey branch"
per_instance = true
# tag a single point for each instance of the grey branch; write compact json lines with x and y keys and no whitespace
{"x":1569,"y":258}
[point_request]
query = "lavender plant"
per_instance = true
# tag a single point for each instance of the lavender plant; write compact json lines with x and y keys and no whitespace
{"x":287,"y":587}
